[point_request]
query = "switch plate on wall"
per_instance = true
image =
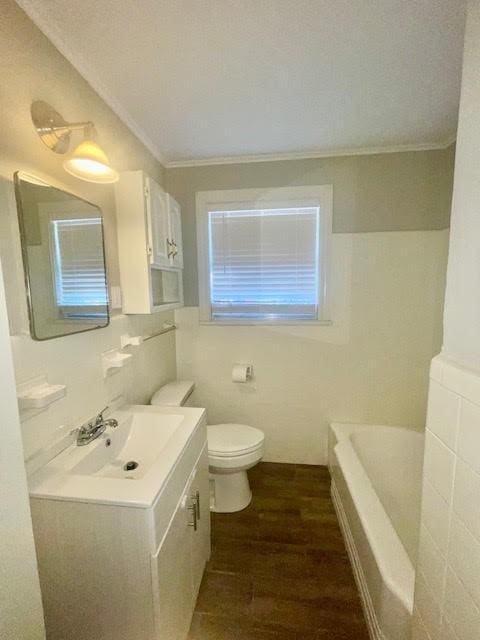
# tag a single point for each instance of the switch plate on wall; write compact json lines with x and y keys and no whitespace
{"x":116,"y":297}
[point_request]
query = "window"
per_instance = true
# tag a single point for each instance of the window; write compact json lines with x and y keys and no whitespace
{"x":263,"y":257}
{"x":78,"y":266}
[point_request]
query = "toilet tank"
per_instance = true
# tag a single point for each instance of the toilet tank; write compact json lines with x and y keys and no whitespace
{"x":174,"y":394}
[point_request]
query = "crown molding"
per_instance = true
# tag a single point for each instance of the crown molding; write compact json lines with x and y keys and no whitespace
{"x":331,"y":153}
{"x":48,"y":28}
{"x":55,"y":36}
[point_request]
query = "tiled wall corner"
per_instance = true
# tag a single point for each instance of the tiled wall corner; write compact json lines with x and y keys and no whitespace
{"x":447,"y":590}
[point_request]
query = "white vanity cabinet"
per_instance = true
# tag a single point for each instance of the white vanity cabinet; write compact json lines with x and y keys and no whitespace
{"x":124,"y":572}
{"x":178,"y":575}
{"x":149,"y":230}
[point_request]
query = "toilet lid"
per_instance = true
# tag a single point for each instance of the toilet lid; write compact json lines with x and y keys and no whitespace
{"x":233,"y":439}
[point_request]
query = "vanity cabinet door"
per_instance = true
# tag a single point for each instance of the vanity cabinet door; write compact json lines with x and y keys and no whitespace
{"x":200,"y":492}
{"x":175,"y":220}
{"x":172,"y":577}
{"x":158,"y":223}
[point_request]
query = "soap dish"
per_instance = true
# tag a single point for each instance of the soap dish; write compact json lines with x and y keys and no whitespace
{"x":38,"y":394}
{"x":113,"y":360}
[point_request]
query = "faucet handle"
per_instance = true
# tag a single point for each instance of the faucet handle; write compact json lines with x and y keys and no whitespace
{"x":99,"y":418}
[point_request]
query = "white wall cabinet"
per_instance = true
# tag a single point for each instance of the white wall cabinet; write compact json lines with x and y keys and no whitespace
{"x":149,"y":229}
{"x":175,"y":230}
{"x":112,"y":572}
{"x":159,"y":244}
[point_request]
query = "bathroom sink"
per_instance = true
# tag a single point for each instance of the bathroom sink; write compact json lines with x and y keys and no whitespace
{"x":144,"y":449}
{"x":129,"y":451}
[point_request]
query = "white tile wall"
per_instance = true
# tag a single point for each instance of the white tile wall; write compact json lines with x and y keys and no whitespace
{"x":76,"y":362}
{"x":419,"y":631}
{"x":459,"y":610}
{"x":428,"y":605}
{"x":469,"y":435}
{"x":435,"y":515}
{"x":464,"y":558}
{"x":443,"y":408}
{"x":307,"y":376}
{"x":439,"y":465}
{"x":447,"y":632}
{"x":465,"y":500}
{"x":447,"y":590}
{"x":431,"y":561}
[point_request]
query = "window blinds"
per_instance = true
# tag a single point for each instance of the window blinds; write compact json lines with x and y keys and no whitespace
{"x":78,"y":263}
{"x":264,"y":264}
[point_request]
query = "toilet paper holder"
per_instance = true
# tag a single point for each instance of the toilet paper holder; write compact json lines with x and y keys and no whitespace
{"x":242,"y":372}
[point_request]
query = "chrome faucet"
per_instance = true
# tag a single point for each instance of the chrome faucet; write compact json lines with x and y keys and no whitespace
{"x":94,"y":428}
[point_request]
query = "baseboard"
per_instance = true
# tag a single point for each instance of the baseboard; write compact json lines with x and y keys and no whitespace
{"x":368,"y":610}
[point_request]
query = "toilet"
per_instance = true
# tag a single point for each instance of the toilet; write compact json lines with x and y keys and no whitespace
{"x":232,"y":450}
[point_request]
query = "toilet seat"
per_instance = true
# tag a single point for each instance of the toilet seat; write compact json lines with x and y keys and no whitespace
{"x":233,"y":449}
{"x":230,"y":440}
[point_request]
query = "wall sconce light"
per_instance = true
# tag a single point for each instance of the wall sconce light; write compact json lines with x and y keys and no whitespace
{"x":88,"y":160}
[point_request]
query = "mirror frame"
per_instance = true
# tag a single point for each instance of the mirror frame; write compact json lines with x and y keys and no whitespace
{"x":17,"y":177}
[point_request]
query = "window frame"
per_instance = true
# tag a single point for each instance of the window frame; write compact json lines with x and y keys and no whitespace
{"x":279,"y":197}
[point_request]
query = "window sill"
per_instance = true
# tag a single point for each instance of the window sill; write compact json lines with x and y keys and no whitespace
{"x":262,"y":323}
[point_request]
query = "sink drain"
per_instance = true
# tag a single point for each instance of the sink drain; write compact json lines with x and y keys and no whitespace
{"x":130,"y":465}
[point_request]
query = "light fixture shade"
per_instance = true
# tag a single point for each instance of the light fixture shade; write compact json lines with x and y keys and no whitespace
{"x":89,"y":162}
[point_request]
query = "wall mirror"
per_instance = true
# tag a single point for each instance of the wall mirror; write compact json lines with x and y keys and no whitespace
{"x":63,"y":259}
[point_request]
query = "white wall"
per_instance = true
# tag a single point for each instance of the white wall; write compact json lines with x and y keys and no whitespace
{"x":462,"y":301}
{"x":20,"y":604}
{"x":76,"y":360}
{"x":371,"y":364}
{"x":33,"y":69}
{"x":447,"y":590}
{"x":447,"y":595}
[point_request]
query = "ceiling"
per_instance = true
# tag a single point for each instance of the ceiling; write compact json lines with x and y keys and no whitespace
{"x":213,"y":80}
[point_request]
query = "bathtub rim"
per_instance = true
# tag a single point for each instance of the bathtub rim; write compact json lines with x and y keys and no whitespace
{"x":391,"y":556}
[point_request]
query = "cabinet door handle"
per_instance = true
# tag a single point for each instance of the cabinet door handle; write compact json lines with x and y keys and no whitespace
{"x":193,"y":509}
{"x":197,"y":503}
{"x":169,"y":248}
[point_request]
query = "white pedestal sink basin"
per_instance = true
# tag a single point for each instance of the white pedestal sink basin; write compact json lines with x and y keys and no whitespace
{"x":142,"y":449}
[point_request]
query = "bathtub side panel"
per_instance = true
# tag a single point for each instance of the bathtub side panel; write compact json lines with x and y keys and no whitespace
{"x":387,"y":615}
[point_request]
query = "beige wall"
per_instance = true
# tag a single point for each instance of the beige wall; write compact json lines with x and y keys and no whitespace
{"x":389,"y":192}
{"x":389,"y":247}
{"x":33,"y":69}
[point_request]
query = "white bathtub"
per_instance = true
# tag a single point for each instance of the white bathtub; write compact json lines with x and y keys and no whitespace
{"x":376,"y":487}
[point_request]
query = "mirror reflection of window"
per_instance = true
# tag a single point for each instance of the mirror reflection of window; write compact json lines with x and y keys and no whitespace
{"x":64,"y":262}
{"x":78,"y":269}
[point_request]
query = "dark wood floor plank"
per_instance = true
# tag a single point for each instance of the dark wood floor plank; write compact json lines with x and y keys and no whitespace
{"x":279,"y":569}
{"x":227,"y":595}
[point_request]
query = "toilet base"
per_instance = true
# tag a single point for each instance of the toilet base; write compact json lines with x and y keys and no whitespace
{"x":229,"y":492}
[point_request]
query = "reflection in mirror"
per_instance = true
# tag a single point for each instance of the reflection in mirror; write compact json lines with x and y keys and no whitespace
{"x":63,"y":259}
